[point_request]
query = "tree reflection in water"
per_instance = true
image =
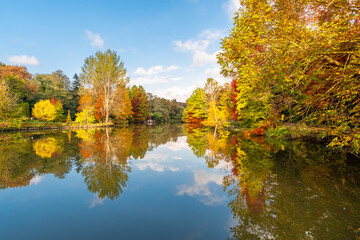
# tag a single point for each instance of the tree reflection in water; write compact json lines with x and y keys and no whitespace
{"x":277,"y":190}
{"x":106,"y":169}
{"x":287,"y":190}
{"x":101,"y":156}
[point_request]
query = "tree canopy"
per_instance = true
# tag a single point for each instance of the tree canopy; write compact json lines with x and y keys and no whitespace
{"x":103,"y":73}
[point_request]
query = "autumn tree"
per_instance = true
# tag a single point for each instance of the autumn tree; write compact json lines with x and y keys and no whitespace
{"x":196,"y":109}
{"x":20,"y":83}
{"x":122,"y":108}
{"x":103,"y":73}
{"x":44,"y":110}
{"x":140,"y":103}
{"x":86,"y":106}
{"x":212,"y":90}
{"x":47,"y":147}
{"x":100,"y":111}
{"x":55,"y":85}
{"x":296,"y":60}
{"x":7,"y":99}
{"x":68,"y":118}
{"x":59,"y":110}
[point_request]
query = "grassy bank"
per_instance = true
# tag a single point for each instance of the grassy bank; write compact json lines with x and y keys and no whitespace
{"x":18,"y":125}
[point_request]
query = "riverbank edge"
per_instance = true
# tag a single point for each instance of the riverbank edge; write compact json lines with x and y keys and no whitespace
{"x":348,"y":141}
{"x":55,"y":126}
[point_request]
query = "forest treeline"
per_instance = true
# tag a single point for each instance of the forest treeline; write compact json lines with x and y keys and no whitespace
{"x":100,"y":93}
{"x":290,"y":62}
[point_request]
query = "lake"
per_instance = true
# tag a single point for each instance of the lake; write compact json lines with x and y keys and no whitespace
{"x":174,"y":182}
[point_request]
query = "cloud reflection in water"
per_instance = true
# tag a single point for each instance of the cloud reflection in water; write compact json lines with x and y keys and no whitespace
{"x":202,"y":187}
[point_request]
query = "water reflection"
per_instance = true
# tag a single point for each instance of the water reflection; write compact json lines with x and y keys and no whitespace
{"x":274,"y":190}
{"x":284,"y":190}
{"x":101,"y":156}
{"x":202,"y":188}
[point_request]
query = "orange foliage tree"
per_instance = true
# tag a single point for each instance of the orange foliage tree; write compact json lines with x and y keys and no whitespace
{"x":100,"y":108}
{"x":20,"y":81}
{"x":122,"y":108}
{"x":86,"y":106}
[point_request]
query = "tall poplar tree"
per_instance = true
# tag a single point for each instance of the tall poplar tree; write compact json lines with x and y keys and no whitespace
{"x":103,"y":73}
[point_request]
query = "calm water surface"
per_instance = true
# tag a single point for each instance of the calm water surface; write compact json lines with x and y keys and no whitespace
{"x":174,"y":182}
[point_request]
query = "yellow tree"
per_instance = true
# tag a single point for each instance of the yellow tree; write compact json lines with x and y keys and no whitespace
{"x":44,"y":110}
{"x":47,"y":147}
{"x":86,"y":106}
{"x":299,"y":59}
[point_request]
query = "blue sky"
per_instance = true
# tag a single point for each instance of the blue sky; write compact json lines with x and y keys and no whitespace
{"x":167,"y":46}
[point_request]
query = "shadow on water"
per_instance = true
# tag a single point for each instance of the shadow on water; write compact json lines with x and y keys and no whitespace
{"x":284,"y":190}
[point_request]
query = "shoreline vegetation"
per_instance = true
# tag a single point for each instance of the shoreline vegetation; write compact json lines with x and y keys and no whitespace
{"x":293,"y":69}
{"x":36,"y":126}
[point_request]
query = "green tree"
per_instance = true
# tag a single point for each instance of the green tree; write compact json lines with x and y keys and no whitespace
{"x":58,"y":109}
{"x":75,"y":94}
{"x":103,"y":73}
{"x":20,"y":83}
{"x":7,"y":99}
{"x":55,"y":85}
{"x":196,"y":109}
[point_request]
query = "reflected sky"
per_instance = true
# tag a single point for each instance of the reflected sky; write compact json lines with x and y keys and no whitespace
{"x":174,"y":182}
{"x":168,"y":193}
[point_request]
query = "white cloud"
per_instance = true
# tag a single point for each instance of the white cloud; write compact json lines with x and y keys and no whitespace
{"x":156,"y":167}
{"x":199,"y":47}
{"x":231,"y":6}
{"x":201,"y":188}
{"x":191,"y":45}
{"x":178,"y":145}
{"x":210,"y":34}
{"x":96,"y":201}
{"x":224,"y":165}
{"x":154,"y":70}
{"x":36,"y":180}
{"x":24,"y":60}
{"x":155,"y":162}
{"x":178,"y":93}
{"x":148,"y":80}
{"x":95,"y":39}
{"x":214,"y":72}
{"x":154,"y":75}
{"x":202,"y":58}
